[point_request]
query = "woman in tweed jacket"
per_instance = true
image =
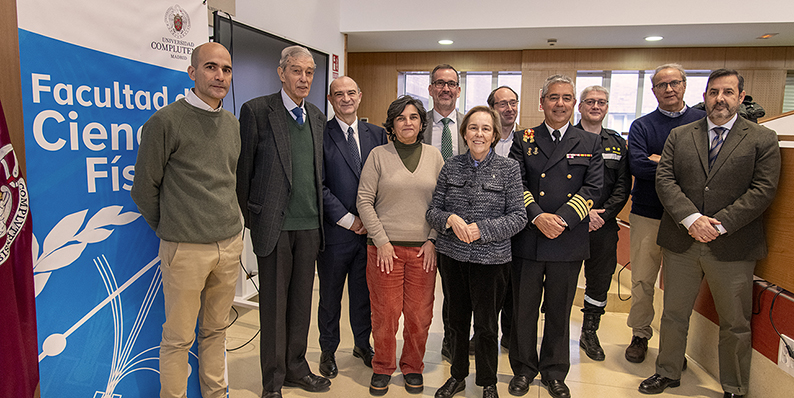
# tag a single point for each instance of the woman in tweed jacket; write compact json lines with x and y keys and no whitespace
{"x":477,"y":206}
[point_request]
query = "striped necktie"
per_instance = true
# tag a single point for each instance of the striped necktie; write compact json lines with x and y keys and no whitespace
{"x":716,"y":144}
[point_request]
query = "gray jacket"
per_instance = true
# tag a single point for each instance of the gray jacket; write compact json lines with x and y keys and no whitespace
{"x":490,"y":195}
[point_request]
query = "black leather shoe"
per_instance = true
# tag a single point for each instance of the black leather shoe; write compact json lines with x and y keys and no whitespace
{"x":490,"y":391}
{"x":451,"y":387}
{"x":656,"y":384}
{"x":379,"y":385}
{"x":557,"y":388}
{"x":731,"y":395}
{"x":414,"y":383}
{"x":271,"y":394}
{"x":635,"y":352}
{"x":328,"y":364}
{"x":311,"y":383}
{"x":446,"y":354}
{"x":365,"y":354}
{"x":519,"y":385}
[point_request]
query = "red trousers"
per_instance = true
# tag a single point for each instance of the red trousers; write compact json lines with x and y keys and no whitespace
{"x":407,"y":290}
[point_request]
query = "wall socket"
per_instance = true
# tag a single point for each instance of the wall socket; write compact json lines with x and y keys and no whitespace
{"x":784,"y":361}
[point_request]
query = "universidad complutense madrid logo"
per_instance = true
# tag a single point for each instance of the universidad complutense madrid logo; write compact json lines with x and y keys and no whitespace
{"x":178,"y":21}
{"x":14,"y":203}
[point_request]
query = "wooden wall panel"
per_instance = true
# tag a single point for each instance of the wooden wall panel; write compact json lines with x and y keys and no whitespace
{"x":776,"y":267}
{"x":790,"y":58}
{"x":10,"y":84}
{"x":766,"y":87}
{"x":756,"y":57}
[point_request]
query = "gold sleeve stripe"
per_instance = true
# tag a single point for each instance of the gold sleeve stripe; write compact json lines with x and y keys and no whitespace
{"x":528,"y":198}
{"x":580,"y":205}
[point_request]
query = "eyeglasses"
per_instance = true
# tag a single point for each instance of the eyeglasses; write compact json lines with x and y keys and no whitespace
{"x":663,"y":85}
{"x":591,"y":102}
{"x":565,"y":98}
{"x":506,"y":103}
{"x":439,"y":84}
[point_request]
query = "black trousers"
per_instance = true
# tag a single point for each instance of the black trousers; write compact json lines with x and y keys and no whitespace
{"x":555,"y":282}
{"x":598,"y":269}
{"x":335,"y":264}
{"x":477,"y":288}
{"x":286,"y":278}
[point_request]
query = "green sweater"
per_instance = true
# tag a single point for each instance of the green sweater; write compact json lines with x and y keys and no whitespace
{"x":185,"y":174}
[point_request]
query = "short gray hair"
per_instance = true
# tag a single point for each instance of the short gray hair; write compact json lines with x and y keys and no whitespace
{"x":677,"y":67}
{"x":554,"y":80}
{"x":294,"y":52}
{"x":589,"y":89}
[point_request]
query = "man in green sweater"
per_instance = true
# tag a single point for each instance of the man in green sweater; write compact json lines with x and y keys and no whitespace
{"x":185,"y":179}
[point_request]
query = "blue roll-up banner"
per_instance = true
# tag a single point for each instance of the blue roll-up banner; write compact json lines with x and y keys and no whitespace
{"x":93,"y":72}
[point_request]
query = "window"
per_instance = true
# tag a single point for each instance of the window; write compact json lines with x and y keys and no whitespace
{"x":788,"y":96}
{"x":474,"y":86}
{"x":631,"y":95}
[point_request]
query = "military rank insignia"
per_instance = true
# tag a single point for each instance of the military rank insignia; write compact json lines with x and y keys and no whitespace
{"x":531,"y":152}
{"x":578,"y":155}
{"x":529,"y":135}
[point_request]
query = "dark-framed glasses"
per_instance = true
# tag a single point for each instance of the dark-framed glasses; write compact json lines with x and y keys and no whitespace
{"x":439,"y":84}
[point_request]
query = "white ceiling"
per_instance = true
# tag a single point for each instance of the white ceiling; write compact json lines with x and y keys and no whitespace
{"x":688,"y":35}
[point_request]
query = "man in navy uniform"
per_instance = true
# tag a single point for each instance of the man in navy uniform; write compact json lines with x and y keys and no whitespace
{"x":562,"y":173}
{"x":347,"y":142}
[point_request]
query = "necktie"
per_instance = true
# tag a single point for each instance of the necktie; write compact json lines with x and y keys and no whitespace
{"x":446,"y":139}
{"x":298,"y":112}
{"x":556,"y":135}
{"x":716,"y":144}
{"x":351,"y":145}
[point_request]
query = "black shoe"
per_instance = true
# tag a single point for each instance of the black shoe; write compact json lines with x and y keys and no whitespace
{"x":656,"y":384}
{"x":730,"y":395}
{"x":379,"y":385}
{"x":311,"y":383}
{"x":271,"y":394}
{"x":490,"y":391}
{"x":588,"y":340}
{"x":414,"y":383}
{"x":365,"y":354}
{"x":557,"y":388}
{"x":471,"y":346}
{"x":635,"y":352}
{"x":446,"y":353}
{"x":519,"y":385}
{"x":328,"y":364}
{"x":451,"y":387}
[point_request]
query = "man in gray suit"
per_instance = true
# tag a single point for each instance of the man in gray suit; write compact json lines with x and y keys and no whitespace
{"x":442,"y":133}
{"x":442,"y":126}
{"x":715,"y":179}
{"x":279,"y":188}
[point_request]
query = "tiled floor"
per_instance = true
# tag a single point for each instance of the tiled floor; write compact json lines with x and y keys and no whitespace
{"x":613,"y":378}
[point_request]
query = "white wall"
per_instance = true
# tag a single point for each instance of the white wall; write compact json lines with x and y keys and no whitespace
{"x":314,"y":23}
{"x":476,"y":14}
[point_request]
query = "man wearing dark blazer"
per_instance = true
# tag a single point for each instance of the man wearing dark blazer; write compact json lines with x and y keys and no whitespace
{"x":279,"y":188}
{"x":443,"y":122}
{"x":715,"y":179}
{"x":347,"y":142}
{"x":562,"y":173}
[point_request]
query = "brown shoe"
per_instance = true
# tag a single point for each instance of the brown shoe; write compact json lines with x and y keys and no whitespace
{"x":635,"y":352}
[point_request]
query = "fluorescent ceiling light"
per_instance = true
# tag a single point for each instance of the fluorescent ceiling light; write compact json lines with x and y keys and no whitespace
{"x":445,"y":42}
{"x":654,"y":38}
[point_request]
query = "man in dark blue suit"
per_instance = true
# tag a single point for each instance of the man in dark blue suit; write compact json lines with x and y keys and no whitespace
{"x":346,"y":145}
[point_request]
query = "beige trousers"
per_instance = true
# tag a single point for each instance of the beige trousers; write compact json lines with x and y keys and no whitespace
{"x":198,"y":285}
{"x":646,"y":259}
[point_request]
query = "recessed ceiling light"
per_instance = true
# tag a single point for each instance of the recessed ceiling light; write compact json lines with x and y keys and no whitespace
{"x":654,"y":38}
{"x":766,"y":36}
{"x":445,"y":42}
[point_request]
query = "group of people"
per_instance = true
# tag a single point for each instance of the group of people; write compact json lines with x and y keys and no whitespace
{"x":508,"y":216}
